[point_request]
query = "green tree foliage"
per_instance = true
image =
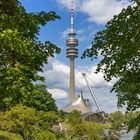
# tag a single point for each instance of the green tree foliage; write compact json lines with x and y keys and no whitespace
{"x":9,"y":136}
{"x":130,"y":116}
{"x":119,"y":46}
{"x":80,"y":129}
{"x":40,"y":99}
{"x":43,"y":135}
{"x":74,"y":118}
{"x":117,"y":119}
{"x":22,"y":55}
{"x":29,"y":123}
{"x":134,"y":123}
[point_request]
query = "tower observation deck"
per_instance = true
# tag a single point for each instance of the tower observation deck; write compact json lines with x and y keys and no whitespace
{"x":72,"y":53}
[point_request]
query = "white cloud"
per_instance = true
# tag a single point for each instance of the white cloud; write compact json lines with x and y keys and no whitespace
{"x":56,"y":74}
{"x":101,"y":11}
{"x":64,"y":34}
{"x":68,"y":4}
{"x":98,"y":11}
{"x":58,"y":93}
{"x":80,"y":34}
{"x":96,"y":80}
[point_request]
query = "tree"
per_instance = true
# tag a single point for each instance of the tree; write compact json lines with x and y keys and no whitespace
{"x":40,"y":99}
{"x":74,"y":118}
{"x":29,"y":123}
{"x":80,"y":129}
{"x":119,"y":46}
{"x":22,"y":55}
{"x":134,"y":123}
{"x":116,"y":119}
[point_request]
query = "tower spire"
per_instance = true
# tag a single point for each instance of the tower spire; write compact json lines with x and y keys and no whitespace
{"x":72,"y":18}
{"x":72,"y":53}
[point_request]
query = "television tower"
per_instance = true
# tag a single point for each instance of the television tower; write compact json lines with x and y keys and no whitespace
{"x":72,"y":53}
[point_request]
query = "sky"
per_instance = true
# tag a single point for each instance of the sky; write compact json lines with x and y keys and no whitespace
{"x":90,"y":17}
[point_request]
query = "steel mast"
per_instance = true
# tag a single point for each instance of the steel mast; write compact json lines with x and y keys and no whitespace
{"x":93,"y":95}
{"x":91,"y":91}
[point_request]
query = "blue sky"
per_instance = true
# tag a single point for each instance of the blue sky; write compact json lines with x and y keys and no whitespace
{"x":90,"y":17}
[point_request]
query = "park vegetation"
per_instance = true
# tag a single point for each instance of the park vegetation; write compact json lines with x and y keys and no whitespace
{"x":27,"y":110}
{"x":120,"y":121}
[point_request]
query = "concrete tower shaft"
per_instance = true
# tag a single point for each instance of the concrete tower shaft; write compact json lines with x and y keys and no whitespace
{"x":72,"y":53}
